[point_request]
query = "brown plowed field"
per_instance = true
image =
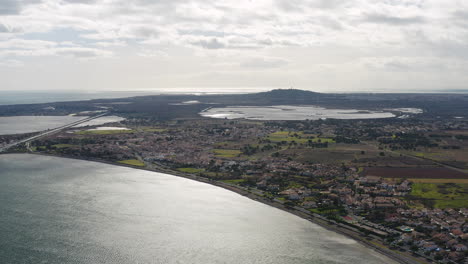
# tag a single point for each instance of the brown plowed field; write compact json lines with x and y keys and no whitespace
{"x":426,"y":173}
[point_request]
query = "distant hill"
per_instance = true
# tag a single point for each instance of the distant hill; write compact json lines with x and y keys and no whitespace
{"x":290,"y":93}
{"x":273,"y":97}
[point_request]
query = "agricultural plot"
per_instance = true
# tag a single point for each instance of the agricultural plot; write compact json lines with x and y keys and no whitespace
{"x":453,"y":157}
{"x":416,"y":173}
{"x":335,"y":154}
{"x":155,"y":130}
{"x":103,"y":132}
{"x":319,"y":155}
{"x":420,"y":180}
{"x":237,"y":181}
{"x":190,"y":170}
{"x":60,"y":146}
{"x":298,"y":137}
{"x":441,"y":195}
{"x":227,"y":153}
{"x":133,"y":162}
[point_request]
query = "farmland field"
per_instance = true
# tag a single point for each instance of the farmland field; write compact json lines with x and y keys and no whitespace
{"x":453,"y":157}
{"x":152,"y":129}
{"x":59,"y":146}
{"x":226,"y":153}
{"x":298,"y":137}
{"x":442,"y":195}
{"x":426,"y":173}
{"x":190,"y":170}
{"x":103,"y":132}
{"x":320,"y":155}
{"x":133,"y":162}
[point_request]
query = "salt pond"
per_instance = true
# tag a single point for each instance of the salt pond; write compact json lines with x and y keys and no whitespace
{"x":287,"y":112}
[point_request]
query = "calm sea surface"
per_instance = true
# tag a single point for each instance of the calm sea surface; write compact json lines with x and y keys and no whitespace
{"x":56,"y":210}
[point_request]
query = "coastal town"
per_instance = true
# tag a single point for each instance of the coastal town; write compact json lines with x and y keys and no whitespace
{"x":369,"y":177}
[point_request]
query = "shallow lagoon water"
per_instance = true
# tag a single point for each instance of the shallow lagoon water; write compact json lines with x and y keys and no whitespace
{"x":27,"y":124}
{"x":288,"y":112}
{"x":101,"y":120}
{"x":56,"y":210}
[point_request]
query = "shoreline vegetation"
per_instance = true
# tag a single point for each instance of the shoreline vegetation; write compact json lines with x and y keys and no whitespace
{"x":371,"y":242}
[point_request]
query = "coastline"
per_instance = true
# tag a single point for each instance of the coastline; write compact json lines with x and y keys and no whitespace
{"x":397,"y":256}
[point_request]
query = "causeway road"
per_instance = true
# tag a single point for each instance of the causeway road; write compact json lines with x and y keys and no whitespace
{"x":49,"y":132}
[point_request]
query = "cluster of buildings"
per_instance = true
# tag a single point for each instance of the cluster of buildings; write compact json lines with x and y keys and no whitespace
{"x":442,"y":233}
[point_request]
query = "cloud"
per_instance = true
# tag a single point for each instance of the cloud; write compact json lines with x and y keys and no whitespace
{"x":80,"y":1}
{"x":82,"y":53}
{"x":393,"y":20}
{"x":300,"y":5}
{"x":14,"y":7}
{"x":140,"y":31}
{"x":461,"y":14}
{"x":264,"y":62}
{"x":212,"y":43}
{"x":10,"y":7}
{"x":3,"y":29}
{"x":153,"y":54}
{"x":11,"y":63}
{"x":386,"y":35}
{"x":35,"y":48}
{"x":235,"y":24}
{"x":26,"y":44}
{"x":413,"y":64}
{"x":106,"y":44}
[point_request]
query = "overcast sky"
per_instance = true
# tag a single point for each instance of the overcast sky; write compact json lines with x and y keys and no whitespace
{"x":321,"y":45}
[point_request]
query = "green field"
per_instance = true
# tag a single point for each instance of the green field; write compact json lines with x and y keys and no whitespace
{"x":158,"y":130}
{"x":298,"y":137}
{"x":226,"y":153}
{"x":419,"y":180}
{"x":190,"y":170}
{"x":103,"y":132}
{"x":59,"y":146}
{"x":133,"y":162}
{"x":443,"y":195}
{"x":238,"y":181}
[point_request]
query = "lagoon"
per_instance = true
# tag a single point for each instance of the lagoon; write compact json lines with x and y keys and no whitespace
{"x":27,"y":124}
{"x":102,"y":120}
{"x":58,"y":210}
{"x":288,"y":112}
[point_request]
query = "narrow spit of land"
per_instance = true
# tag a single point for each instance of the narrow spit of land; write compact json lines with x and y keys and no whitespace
{"x":368,"y":241}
